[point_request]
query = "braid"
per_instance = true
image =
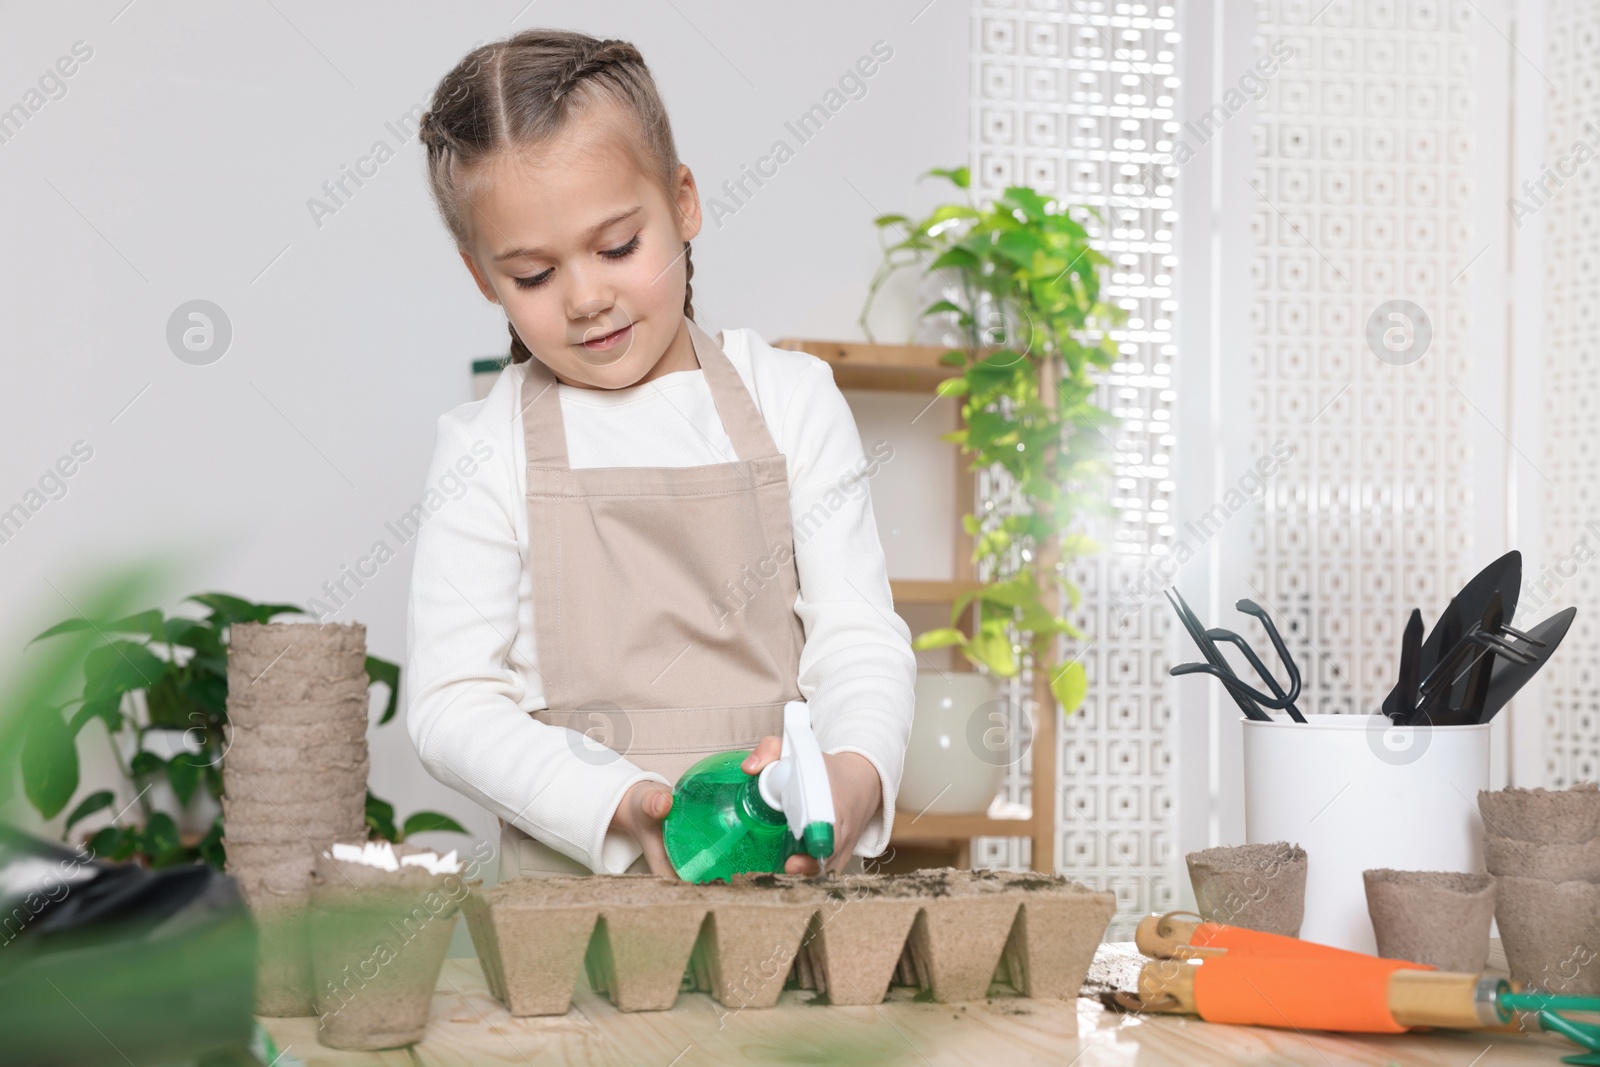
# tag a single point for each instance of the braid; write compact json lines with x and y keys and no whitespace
{"x":688,"y":275}
{"x":432,"y":132}
{"x":519,"y":351}
{"x":584,"y":67}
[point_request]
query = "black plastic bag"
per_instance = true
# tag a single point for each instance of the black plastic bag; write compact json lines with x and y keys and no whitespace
{"x":110,"y":963}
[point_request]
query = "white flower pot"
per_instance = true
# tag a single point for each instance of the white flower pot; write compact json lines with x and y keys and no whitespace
{"x":1359,"y":793}
{"x":959,"y":746}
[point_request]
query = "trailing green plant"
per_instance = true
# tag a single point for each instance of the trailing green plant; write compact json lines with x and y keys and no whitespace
{"x":1030,"y":313}
{"x":180,"y":665}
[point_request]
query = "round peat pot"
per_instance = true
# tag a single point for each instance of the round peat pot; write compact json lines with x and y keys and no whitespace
{"x":1358,"y":793}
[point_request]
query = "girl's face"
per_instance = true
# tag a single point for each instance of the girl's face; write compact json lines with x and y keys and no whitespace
{"x":579,"y":245}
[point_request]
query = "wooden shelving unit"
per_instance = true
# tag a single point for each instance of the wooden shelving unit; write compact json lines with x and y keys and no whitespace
{"x":916,"y":369}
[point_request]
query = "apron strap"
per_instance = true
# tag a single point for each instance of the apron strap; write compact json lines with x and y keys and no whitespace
{"x":545,"y":432}
{"x":741,"y":419}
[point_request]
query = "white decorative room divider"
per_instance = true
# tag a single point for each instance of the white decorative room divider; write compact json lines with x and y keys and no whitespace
{"x":1078,"y":100}
{"x":1568,"y":207}
{"x":1363,"y":239}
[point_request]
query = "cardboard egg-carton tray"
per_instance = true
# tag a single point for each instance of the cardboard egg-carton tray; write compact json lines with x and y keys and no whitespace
{"x":642,"y":939}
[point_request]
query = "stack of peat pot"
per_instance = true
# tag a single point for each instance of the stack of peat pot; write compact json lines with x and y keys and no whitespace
{"x":294,"y":780}
{"x":1543,"y":848}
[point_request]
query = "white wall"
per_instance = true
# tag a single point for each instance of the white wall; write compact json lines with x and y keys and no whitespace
{"x":178,"y":165}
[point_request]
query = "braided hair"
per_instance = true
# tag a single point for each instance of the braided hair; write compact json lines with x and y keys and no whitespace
{"x":524,"y":90}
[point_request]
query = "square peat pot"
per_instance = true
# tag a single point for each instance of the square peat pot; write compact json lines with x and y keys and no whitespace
{"x":1357,"y":793}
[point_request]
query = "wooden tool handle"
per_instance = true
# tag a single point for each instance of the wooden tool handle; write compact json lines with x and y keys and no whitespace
{"x":1441,"y":998}
{"x":1168,"y":985}
{"x":1167,"y":937}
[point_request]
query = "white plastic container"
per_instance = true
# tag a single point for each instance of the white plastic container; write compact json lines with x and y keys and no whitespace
{"x":1357,"y":792}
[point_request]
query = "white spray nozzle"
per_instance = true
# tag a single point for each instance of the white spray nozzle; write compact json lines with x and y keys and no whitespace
{"x":797,"y":783}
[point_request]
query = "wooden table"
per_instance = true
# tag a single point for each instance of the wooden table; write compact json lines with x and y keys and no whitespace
{"x":468,"y":1026}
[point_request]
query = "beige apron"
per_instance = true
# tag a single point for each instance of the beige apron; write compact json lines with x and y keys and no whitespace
{"x":663,"y":597}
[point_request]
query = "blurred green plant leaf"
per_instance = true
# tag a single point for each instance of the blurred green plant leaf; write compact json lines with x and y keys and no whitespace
{"x":117,"y":843}
{"x":170,"y":704}
{"x":146,"y":762}
{"x":49,"y":761}
{"x":1070,"y":685}
{"x":108,"y":709}
{"x":387,"y":674}
{"x":992,"y":647}
{"x":960,"y":176}
{"x":120,"y":667}
{"x":380,"y":819}
{"x":88,"y":806}
{"x":232,"y":609}
{"x":940,"y":638}
{"x":423,"y":821}
{"x":184,"y":771}
{"x":160,"y":840}
{"x":210,"y":846}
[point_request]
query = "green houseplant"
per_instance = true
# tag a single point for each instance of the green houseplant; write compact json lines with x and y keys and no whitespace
{"x":1026,"y":300}
{"x":180,"y":667}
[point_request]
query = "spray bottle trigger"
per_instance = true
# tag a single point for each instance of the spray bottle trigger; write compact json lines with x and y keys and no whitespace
{"x":797,"y":784}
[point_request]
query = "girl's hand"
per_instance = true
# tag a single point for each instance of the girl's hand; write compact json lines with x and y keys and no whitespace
{"x":857,"y":795}
{"x":639,"y":816}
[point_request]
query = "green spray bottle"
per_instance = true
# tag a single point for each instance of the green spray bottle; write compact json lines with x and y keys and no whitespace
{"x":724,"y":821}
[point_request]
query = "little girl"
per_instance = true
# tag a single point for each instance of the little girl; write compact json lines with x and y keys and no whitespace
{"x":663,"y":536}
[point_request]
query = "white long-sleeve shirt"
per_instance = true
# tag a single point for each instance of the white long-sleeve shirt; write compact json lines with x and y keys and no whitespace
{"x":472,"y":675}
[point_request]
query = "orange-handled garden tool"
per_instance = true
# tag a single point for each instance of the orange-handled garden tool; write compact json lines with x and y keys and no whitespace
{"x":1228,"y":974}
